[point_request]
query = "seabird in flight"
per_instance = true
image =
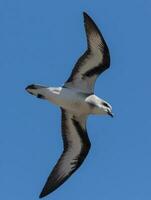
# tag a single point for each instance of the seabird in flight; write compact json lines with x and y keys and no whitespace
{"x":77,"y":101}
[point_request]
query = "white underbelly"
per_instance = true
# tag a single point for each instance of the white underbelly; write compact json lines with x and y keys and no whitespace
{"x":75,"y":107}
{"x":70,"y":100}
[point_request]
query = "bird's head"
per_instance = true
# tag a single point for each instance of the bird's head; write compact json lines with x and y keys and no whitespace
{"x":106,"y":108}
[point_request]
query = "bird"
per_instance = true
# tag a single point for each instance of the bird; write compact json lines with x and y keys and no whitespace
{"x":77,"y":101}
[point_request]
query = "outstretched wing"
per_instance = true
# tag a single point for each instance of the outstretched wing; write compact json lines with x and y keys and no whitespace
{"x":93,"y":62}
{"x":76,"y":147}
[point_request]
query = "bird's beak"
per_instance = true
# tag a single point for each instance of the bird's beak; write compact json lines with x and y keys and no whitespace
{"x":110,"y":113}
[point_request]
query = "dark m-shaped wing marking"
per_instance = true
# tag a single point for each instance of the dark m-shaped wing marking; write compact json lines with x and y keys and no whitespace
{"x":93,"y":62}
{"x":76,"y":147}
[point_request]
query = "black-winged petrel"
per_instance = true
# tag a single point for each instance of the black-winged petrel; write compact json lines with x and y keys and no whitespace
{"x":77,"y":100}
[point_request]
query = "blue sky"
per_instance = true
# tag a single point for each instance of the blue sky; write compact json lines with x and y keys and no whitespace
{"x":40,"y":42}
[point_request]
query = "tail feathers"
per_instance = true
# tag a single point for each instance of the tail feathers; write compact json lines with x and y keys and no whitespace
{"x":37,"y":90}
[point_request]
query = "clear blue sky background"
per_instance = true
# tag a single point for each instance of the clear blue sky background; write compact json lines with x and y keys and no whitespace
{"x":39,"y":43}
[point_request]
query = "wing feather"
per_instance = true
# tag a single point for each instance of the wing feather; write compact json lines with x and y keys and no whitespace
{"x":76,"y":147}
{"x":93,"y":62}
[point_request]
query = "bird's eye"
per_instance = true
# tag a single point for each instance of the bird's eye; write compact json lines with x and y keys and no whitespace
{"x":105,"y":104}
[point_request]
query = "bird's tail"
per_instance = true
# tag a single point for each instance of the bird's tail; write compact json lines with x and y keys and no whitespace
{"x":37,"y":90}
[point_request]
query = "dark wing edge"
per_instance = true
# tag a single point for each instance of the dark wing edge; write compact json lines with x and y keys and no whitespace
{"x":96,"y":45}
{"x":91,"y":27}
{"x":76,"y":148}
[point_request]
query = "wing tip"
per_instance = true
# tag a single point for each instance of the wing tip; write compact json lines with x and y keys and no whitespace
{"x":86,"y":16}
{"x":45,"y":191}
{"x":43,"y":194}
